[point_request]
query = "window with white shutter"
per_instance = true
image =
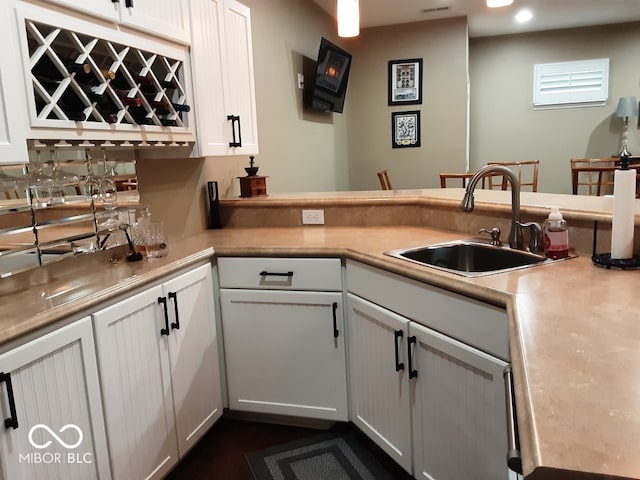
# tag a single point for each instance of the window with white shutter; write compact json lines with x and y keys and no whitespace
{"x":583,"y":83}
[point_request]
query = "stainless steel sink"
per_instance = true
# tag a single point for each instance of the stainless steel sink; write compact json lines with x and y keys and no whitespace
{"x":469,"y":258}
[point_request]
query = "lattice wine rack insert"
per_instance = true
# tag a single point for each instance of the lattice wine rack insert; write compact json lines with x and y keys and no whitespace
{"x":80,"y":78}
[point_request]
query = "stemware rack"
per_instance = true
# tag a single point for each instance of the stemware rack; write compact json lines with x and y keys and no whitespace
{"x":37,"y":232}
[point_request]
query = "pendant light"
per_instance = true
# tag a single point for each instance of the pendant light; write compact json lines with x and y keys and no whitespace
{"x":498,"y":3}
{"x":348,"y":18}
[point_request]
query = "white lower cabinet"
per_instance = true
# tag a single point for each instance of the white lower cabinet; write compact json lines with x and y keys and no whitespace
{"x":51,"y":407}
{"x":433,"y":403}
{"x":158,"y":362}
{"x":284,"y":349}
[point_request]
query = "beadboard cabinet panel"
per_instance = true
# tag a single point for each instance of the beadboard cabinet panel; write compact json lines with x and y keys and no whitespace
{"x":378,"y":377}
{"x":59,"y":430}
{"x":222,"y":58}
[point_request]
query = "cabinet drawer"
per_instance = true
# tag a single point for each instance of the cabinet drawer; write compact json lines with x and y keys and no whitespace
{"x":280,"y":273}
{"x":471,"y":321}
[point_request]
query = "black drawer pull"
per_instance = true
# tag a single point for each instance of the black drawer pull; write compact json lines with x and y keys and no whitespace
{"x":397,"y":335}
{"x":412,"y":373}
{"x":12,"y":421}
{"x":336,"y":332}
{"x":264,"y":273}
{"x":165,"y":330}
{"x":175,"y":324}
{"x":514,"y":461}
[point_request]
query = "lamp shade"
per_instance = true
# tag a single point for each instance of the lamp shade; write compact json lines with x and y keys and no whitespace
{"x":627,"y":107}
{"x":348,"y":18}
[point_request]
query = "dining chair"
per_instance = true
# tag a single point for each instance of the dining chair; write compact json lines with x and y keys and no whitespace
{"x":525,"y":170}
{"x":595,"y":175}
{"x":385,"y":183}
{"x":464,"y":177}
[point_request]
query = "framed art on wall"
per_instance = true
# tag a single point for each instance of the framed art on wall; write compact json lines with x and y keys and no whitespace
{"x":405,"y":129}
{"x":405,"y":82}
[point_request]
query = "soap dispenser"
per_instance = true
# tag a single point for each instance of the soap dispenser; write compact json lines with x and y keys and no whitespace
{"x":556,"y":235}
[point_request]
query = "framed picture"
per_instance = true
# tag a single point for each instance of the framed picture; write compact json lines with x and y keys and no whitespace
{"x":405,"y":82}
{"x":405,"y":129}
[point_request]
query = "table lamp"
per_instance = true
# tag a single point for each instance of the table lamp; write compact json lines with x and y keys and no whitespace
{"x":627,"y":107}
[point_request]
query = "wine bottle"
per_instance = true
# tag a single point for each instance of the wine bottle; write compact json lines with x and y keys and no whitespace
{"x":83,"y":73}
{"x":127,"y":100}
{"x":168,"y":122}
{"x":162,"y":107}
{"x":147,"y":81}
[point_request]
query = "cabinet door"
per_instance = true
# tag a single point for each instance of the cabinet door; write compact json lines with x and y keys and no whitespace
{"x":378,"y":377}
{"x":222,"y":59}
{"x":133,"y":360}
{"x":13,"y":114}
{"x":240,"y":90}
{"x":105,"y":9}
{"x":193,"y":350}
{"x":166,"y":18}
{"x":459,"y":423}
{"x":285,"y":352}
{"x":60,"y":430}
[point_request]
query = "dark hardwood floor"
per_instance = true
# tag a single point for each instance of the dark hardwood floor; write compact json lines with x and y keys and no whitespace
{"x":220,"y":454}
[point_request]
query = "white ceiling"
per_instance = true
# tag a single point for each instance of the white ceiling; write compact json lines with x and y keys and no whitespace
{"x":483,"y":21}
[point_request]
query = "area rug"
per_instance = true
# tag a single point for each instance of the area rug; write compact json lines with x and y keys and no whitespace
{"x":327,"y":456}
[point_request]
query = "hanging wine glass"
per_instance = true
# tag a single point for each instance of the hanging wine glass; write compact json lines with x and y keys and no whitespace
{"x":108,"y":190}
{"x":61,"y":180}
{"x":38,"y":182}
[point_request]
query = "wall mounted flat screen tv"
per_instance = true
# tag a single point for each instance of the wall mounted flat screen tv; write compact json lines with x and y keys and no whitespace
{"x":326,"y":92}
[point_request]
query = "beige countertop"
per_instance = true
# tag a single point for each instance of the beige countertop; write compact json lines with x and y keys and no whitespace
{"x":575,"y":341}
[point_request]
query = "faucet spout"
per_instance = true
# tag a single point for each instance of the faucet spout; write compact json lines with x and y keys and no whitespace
{"x":516,"y":239}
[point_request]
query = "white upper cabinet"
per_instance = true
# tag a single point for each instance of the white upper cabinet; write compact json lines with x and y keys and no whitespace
{"x":13,"y":121}
{"x":165,"y":18}
{"x":222,"y":58}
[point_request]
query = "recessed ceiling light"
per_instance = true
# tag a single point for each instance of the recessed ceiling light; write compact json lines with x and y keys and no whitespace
{"x":498,"y":3}
{"x":524,"y":16}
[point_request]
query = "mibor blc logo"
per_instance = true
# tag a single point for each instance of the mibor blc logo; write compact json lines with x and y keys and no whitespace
{"x":49,"y":437}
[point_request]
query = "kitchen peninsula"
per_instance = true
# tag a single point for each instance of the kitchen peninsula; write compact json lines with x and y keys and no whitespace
{"x":573,"y":337}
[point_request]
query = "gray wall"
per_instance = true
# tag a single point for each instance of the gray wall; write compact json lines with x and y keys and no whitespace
{"x":443,"y":47}
{"x":504,"y":125}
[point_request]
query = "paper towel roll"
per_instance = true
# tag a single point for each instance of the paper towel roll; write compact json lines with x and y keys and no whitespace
{"x":624,"y":194}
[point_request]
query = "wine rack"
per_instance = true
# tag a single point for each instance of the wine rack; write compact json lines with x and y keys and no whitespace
{"x":79,"y":81}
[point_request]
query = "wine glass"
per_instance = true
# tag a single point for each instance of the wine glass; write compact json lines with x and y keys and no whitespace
{"x":61,"y":180}
{"x":38,"y":183}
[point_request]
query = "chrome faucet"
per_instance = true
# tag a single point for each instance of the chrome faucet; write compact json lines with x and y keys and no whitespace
{"x":516,"y":238}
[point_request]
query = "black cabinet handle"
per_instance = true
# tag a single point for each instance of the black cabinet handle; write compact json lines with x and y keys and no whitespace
{"x":165,"y":330}
{"x":235,"y":120}
{"x":514,"y":462}
{"x":115,"y":1}
{"x":398,"y":334}
{"x":412,"y":373}
{"x":336,"y":332}
{"x":128,"y":3}
{"x":264,"y":273}
{"x":12,"y":421}
{"x":176,"y":324}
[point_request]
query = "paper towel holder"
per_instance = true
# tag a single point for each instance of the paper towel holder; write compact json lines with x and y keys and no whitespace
{"x":604,"y":259}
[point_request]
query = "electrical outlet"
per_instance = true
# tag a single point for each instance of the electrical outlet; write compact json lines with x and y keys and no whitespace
{"x":313,"y":217}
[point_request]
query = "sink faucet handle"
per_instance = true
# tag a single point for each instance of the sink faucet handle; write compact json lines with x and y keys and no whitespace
{"x":536,"y":236}
{"x":495,"y":236}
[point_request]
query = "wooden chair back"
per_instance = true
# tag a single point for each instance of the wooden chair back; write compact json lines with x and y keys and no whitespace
{"x":463,"y":177}
{"x":385,"y":183}
{"x":525,"y":170}
{"x":592,"y":176}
